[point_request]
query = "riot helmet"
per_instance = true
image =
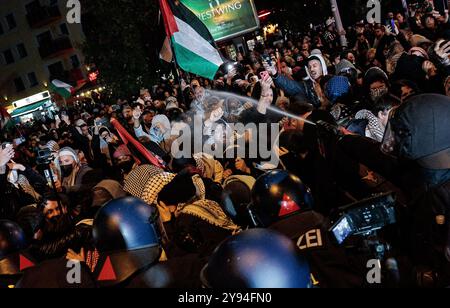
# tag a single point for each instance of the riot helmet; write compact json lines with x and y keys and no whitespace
{"x":257,"y":258}
{"x":276,"y":195}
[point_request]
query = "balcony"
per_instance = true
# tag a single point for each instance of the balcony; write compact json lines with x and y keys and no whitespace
{"x":55,"y":48}
{"x":43,"y":15}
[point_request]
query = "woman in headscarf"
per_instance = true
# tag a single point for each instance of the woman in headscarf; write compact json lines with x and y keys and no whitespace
{"x":72,"y":170}
{"x":160,"y":132}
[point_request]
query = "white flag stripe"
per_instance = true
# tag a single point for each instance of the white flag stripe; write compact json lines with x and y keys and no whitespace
{"x":60,"y":84}
{"x":190,"y":39}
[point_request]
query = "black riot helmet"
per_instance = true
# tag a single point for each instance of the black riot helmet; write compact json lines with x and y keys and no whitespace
{"x":12,"y":242}
{"x":418,"y":130}
{"x":236,"y":196}
{"x":12,"y":238}
{"x":256,"y":258}
{"x":276,"y":195}
{"x":128,"y":231}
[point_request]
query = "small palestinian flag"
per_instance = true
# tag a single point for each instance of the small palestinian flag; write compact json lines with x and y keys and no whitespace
{"x":63,"y":89}
{"x":192,"y":43}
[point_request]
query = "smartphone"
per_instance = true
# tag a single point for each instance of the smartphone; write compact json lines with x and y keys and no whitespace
{"x":264,"y":75}
{"x":268,"y":59}
{"x":57,"y":118}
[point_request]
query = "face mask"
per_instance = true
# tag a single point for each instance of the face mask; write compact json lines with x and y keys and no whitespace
{"x":126,"y":166}
{"x":377,"y":93}
{"x":156,"y":135}
{"x":66,"y":170}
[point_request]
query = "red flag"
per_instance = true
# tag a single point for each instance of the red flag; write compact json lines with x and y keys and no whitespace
{"x":128,"y":139}
{"x":169,"y":18}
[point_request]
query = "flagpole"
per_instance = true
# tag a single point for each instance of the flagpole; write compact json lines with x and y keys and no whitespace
{"x":174,"y":60}
{"x":339,"y":26}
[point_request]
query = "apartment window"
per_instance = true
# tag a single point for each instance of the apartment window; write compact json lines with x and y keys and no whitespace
{"x":11,"y":21}
{"x":56,"y":70}
{"x":75,"y":61}
{"x":64,"y":29}
{"x":9,"y":58}
{"x":44,"y":38}
{"x":22,"y":51}
{"x":32,"y":79}
{"x":18,"y":82}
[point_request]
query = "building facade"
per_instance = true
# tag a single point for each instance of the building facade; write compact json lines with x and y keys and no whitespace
{"x":37,"y":45}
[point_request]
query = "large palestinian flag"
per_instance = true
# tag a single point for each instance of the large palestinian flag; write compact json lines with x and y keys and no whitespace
{"x":192,"y":43}
{"x":62,"y":88}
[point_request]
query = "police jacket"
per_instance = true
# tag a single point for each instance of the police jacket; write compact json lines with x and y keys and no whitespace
{"x":329,"y":262}
{"x":423,"y":234}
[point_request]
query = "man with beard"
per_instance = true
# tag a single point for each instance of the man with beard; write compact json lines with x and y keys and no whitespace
{"x":128,"y":121}
{"x":58,"y":231}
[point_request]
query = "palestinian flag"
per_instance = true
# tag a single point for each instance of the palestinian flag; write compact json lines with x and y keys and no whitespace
{"x":192,"y":44}
{"x":63,"y":89}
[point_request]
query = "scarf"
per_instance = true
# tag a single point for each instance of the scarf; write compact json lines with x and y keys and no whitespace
{"x":211,"y":212}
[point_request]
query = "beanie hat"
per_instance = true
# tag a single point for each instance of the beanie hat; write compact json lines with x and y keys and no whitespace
{"x":337,"y":87}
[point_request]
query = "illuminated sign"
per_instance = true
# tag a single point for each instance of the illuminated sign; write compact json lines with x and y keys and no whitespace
{"x":225,"y":18}
{"x":31,"y":99}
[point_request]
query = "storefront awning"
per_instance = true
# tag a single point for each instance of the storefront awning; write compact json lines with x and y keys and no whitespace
{"x":29,"y":109}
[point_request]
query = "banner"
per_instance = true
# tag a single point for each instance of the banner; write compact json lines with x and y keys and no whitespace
{"x":225,"y":19}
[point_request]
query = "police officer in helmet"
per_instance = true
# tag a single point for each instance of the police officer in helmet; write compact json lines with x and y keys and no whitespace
{"x":256,"y":258}
{"x":283,"y":203}
{"x":12,"y":242}
{"x":415,"y":156}
{"x":128,"y":235}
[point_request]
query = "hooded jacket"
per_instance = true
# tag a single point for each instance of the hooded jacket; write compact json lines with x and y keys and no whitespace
{"x":305,"y":89}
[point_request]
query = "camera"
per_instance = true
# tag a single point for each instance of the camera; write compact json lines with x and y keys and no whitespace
{"x":45,"y":157}
{"x":364,"y":217}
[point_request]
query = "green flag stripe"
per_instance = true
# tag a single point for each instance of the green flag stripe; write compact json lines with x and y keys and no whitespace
{"x":194,"y":63}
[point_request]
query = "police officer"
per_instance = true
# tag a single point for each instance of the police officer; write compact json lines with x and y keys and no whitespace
{"x":257,"y":258}
{"x":281,"y":202}
{"x":12,"y":241}
{"x":415,"y":156}
{"x":128,"y":235}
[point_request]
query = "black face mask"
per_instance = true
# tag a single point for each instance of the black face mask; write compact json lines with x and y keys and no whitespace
{"x":126,"y":166}
{"x":66,"y":170}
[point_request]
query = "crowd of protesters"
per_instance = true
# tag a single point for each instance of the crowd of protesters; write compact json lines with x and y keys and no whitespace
{"x":94,"y":182}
